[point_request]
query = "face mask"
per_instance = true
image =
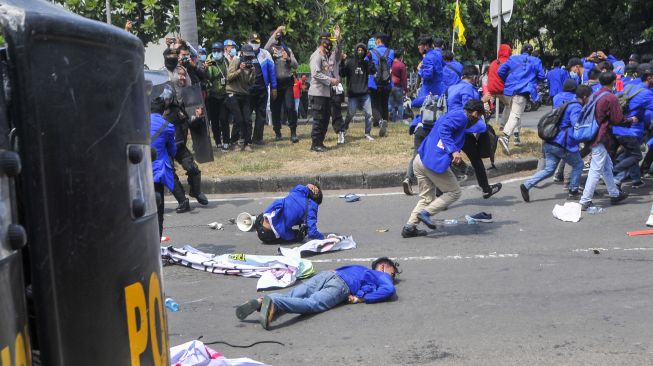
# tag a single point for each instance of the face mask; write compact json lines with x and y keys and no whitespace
{"x":202,"y":58}
{"x":170,"y":63}
{"x":255,"y":46}
{"x":328,"y":46}
{"x":233,"y":52}
{"x":217,"y":55}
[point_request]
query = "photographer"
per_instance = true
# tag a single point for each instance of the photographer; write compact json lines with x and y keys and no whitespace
{"x":195,"y":71}
{"x":275,"y":224}
{"x":216,"y":68}
{"x":240,"y":78}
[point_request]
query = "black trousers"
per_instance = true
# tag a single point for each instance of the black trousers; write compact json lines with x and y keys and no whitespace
{"x":240,"y":109}
{"x":258,"y":103}
{"x":471,"y":149}
{"x":185,"y":158}
{"x":336,"y":113}
{"x":321,"y":108}
{"x":285,"y":100}
{"x":303,"y":105}
{"x":419,"y":137}
{"x":158,"y":190}
{"x":219,"y":117}
{"x":632,"y":153}
{"x":380,"y":99}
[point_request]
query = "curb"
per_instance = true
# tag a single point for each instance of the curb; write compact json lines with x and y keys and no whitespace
{"x":335,"y":181}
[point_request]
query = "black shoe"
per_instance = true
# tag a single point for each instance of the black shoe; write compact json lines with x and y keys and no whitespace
{"x":278,"y":136}
{"x":183,"y":207}
{"x":201,"y":198}
{"x":637,"y":185}
{"x":258,"y":142}
{"x":425,"y":218}
{"x":408,"y":188}
{"x":294,"y":138}
{"x":585,"y":206}
{"x":524,"y":193}
{"x":573,"y":195}
{"x":622,"y":196}
{"x":412,"y":231}
{"x":494,"y":189}
{"x":318,"y":148}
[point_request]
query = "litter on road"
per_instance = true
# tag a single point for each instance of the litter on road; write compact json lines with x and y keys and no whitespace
{"x":569,"y":212}
{"x":195,"y":353}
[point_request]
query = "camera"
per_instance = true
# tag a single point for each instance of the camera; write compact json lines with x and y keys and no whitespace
{"x":248,"y":61}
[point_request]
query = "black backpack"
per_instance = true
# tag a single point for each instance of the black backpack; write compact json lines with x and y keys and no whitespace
{"x":383,"y":76}
{"x":549,"y":125}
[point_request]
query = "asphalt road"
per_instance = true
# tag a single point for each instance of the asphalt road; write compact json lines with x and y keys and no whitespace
{"x":524,"y":290}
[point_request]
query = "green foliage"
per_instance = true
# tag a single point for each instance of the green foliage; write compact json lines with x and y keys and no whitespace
{"x":560,"y":27}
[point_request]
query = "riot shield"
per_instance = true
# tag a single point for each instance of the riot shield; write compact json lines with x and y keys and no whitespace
{"x":86,"y":193}
{"x":191,"y":98}
{"x":199,"y":130}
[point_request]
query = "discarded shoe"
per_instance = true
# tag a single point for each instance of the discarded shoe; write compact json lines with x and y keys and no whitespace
{"x":351,"y":197}
{"x":482,"y":217}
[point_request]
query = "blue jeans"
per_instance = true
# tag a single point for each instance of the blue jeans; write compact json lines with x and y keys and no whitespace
{"x":396,"y":104}
{"x":360,"y":102}
{"x":552,"y":156}
{"x":601,"y":166}
{"x":320,"y":293}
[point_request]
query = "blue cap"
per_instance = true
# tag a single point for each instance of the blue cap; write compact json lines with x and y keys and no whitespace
{"x":229,"y":42}
{"x":217,"y":46}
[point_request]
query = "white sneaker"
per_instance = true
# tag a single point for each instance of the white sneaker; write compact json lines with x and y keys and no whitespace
{"x":369,"y":138}
{"x":503,"y":140}
{"x":650,"y":220}
{"x":341,"y":137}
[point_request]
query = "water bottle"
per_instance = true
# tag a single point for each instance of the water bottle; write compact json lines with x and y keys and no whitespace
{"x":470,"y":220}
{"x":595,"y":210}
{"x":450,"y":222}
{"x":172,"y":305}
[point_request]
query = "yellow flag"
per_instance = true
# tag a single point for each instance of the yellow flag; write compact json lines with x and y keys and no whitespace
{"x":458,"y":26}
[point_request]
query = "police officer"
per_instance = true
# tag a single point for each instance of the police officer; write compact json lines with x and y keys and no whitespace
{"x":176,"y":114}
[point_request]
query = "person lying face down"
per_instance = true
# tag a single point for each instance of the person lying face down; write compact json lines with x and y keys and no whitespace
{"x":327,"y":289}
{"x":298,"y":209}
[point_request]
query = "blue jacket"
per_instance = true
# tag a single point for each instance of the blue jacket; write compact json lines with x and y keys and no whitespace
{"x":446,"y":137}
{"x":287,"y":212}
{"x":451,"y":73}
{"x":432,"y":74}
{"x":459,"y":94}
{"x":519,"y":73}
{"x":641,"y":105}
{"x":563,"y":97}
{"x":268,"y":68}
{"x":564,"y":137}
{"x":164,"y":144}
{"x":368,"y":284}
{"x":391,"y":56}
{"x":556,"y":78}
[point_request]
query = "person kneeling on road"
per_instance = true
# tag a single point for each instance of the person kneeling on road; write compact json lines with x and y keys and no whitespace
{"x":275,"y":224}
{"x":327,"y":289}
{"x":439,"y":150}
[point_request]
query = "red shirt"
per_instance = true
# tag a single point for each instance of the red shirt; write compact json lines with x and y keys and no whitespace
{"x":297,"y":89}
{"x":399,"y":76}
{"x":608,"y":113}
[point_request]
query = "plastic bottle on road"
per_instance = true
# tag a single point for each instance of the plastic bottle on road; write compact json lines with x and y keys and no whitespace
{"x":172,"y":305}
{"x":595,"y":210}
{"x":450,"y":222}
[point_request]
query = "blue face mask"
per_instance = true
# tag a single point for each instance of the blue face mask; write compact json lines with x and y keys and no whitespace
{"x":233,"y":52}
{"x":217,"y":55}
{"x":202,"y":58}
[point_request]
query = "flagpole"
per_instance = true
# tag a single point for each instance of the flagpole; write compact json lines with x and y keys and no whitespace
{"x":453,"y":30}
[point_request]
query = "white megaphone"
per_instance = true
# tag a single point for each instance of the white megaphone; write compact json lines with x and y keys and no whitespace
{"x":245,"y":221}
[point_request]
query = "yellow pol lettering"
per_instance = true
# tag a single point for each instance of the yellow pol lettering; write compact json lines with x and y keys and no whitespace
{"x":5,"y":357}
{"x":135,"y":302}
{"x":21,"y":357}
{"x":159,"y":354}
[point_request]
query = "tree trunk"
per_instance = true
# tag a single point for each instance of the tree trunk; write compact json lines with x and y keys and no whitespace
{"x":188,"y":21}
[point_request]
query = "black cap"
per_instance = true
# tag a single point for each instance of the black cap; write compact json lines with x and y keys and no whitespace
{"x":569,"y":85}
{"x":633,"y":57}
{"x":574,"y":61}
{"x":247,"y":50}
{"x":475,"y":105}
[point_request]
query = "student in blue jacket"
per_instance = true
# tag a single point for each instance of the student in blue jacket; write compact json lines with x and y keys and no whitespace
{"x":556,"y":78}
{"x":276,"y":224}
{"x":440,"y":149}
{"x":326,"y":290}
{"x":562,"y":147}
{"x":519,"y":73}
{"x":631,"y":138}
{"x":430,"y":69}
{"x":162,"y":134}
{"x":567,"y":94}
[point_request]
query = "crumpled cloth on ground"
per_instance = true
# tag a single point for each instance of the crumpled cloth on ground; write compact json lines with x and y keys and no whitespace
{"x":570,"y":212}
{"x":274,"y":271}
{"x":332,"y":244}
{"x":195,"y":353}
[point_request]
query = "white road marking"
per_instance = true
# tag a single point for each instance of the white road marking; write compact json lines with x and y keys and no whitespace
{"x":420,"y":258}
{"x":610,"y":249}
{"x":240,"y":199}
